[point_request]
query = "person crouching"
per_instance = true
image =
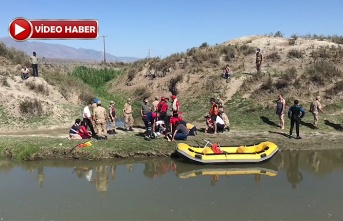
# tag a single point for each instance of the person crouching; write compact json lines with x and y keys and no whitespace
{"x":181,"y":132}
{"x":74,"y":130}
{"x":149,"y":120}
{"x":191,"y":128}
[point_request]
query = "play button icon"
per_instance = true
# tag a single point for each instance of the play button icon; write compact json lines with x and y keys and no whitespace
{"x":20,"y":29}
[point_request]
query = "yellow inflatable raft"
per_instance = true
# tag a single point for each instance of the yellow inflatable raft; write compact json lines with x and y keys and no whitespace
{"x":216,"y":154}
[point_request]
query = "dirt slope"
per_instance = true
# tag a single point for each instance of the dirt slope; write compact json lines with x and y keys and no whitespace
{"x":196,"y":74}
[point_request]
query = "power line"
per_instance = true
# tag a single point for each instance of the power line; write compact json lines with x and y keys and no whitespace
{"x":103,"y":37}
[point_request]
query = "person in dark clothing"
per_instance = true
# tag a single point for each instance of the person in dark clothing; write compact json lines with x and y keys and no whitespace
{"x":34,"y":63}
{"x":295,"y":113}
{"x":149,"y":120}
{"x":181,"y":132}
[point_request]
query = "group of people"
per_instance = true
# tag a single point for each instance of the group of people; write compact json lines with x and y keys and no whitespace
{"x":163,"y":117}
{"x":259,"y":59}
{"x":25,"y":72}
{"x":295,"y":113}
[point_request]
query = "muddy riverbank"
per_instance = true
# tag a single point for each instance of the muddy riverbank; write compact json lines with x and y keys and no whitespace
{"x":53,"y":144}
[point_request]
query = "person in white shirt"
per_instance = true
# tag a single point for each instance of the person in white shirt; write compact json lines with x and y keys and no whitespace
{"x":220,"y":124}
{"x":34,"y":63}
{"x":25,"y":73}
{"x":87,"y":118}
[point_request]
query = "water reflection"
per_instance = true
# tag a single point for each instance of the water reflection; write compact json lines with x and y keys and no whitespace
{"x":296,"y":166}
{"x":294,"y":176}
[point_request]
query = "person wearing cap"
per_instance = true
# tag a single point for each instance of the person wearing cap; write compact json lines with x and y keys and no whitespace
{"x":155,"y":103}
{"x":145,"y":108}
{"x":128,"y":115}
{"x":112,"y":117}
{"x":176,"y":104}
{"x":259,"y":59}
{"x":315,"y":108}
{"x":100,"y":118}
{"x":87,"y":118}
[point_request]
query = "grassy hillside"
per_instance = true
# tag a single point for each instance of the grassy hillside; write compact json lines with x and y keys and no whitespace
{"x":298,"y":67}
{"x":54,"y":99}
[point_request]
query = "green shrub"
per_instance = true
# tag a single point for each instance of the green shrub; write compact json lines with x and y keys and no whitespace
{"x":38,"y":88}
{"x":247,"y":50}
{"x":95,"y":77}
{"x":229,"y":52}
{"x":31,"y":107}
{"x":5,"y":82}
{"x":289,"y":74}
{"x":131,"y":74}
{"x":142,"y":92}
{"x":86,"y":97}
{"x":294,"y":53}
{"x":204,"y":45}
{"x":337,"y":89}
{"x":321,"y":72}
{"x":173,"y":82}
{"x":268,"y":85}
{"x":274,"y":56}
{"x":278,"y":34}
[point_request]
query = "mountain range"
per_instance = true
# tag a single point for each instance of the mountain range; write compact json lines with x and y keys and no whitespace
{"x":59,"y":51}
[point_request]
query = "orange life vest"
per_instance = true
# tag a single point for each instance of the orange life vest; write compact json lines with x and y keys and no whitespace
{"x":214,"y":110}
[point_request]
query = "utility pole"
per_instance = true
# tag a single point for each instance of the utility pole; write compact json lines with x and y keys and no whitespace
{"x":103,"y":37}
{"x":148,"y":56}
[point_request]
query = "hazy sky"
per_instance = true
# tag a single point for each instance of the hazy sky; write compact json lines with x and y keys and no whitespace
{"x":169,"y":26}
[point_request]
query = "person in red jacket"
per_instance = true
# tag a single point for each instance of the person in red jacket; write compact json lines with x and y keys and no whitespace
{"x":162,"y":108}
{"x":83,"y":131}
{"x":213,"y":113}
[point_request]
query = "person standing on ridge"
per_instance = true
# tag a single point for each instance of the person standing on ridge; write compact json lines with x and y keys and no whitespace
{"x":280,"y":111}
{"x":315,"y":108}
{"x":34,"y":63}
{"x":259,"y":59}
{"x":128,"y":115}
{"x":295,"y":113}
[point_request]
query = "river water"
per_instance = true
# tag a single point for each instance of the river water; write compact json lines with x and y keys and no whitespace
{"x":291,"y":186}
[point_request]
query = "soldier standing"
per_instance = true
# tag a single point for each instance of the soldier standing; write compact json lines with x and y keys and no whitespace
{"x":100,"y":118}
{"x":259,"y":59}
{"x":128,"y":115}
{"x":315,"y":108}
{"x":222,"y":114}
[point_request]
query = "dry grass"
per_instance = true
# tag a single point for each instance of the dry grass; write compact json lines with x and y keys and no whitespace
{"x":141,"y":92}
{"x":38,"y":88}
{"x":294,"y":53}
{"x":31,"y":107}
{"x":274,"y":56}
{"x":322,"y":72}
